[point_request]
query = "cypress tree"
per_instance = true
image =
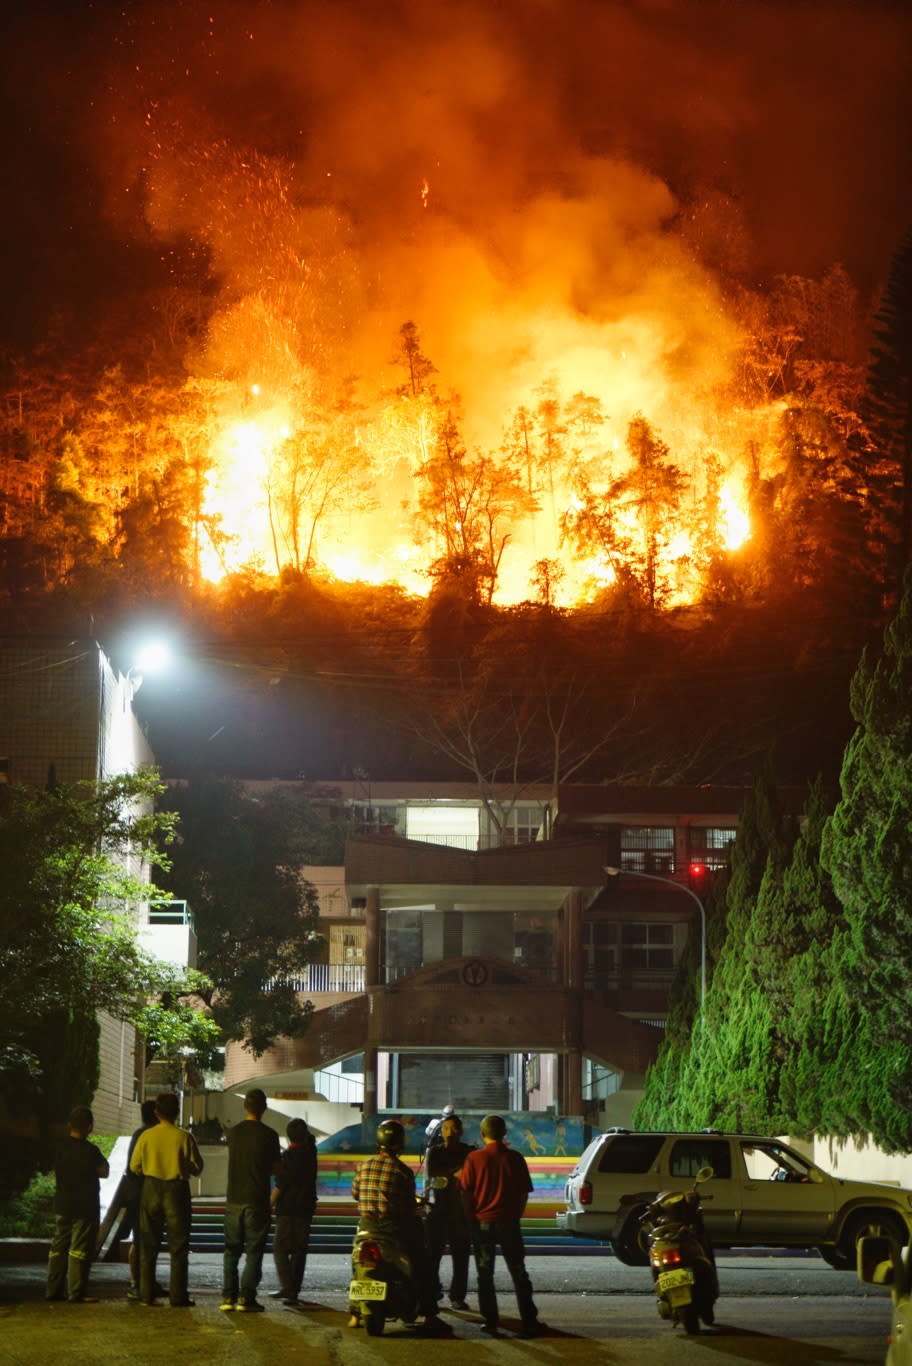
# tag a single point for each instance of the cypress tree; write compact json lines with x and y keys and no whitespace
{"x":718,"y":1074}
{"x":867,"y":850}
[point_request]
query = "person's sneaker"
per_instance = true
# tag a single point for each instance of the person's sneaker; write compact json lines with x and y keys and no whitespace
{"x":277,"y":1294}
{"x":491,"y":1329}
{"x":458,"y":1304}
{"x":249,"y":1307}
{"x":133,"y":1292}
{"x":291,"y":1301}
{"x":227,"y":1306}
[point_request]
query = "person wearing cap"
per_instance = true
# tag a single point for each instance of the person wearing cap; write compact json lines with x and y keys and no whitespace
{"x":496,"y":1183}
{"x":294,"y":1199}
{"x":254,"y":1157}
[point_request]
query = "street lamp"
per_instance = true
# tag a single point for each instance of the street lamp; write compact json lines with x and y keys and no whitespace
{"x":152,"y":658}
{"x":681,"y":887}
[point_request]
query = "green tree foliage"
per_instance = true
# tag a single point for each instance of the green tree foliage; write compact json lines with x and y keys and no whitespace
{"x":68,"y":945}
{"x":867,"y":850}
{"x":723,"y":1075}
{"x":238,"y":860}
{"x":806,"y":1022}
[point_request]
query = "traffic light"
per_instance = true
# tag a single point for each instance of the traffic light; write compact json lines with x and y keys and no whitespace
{"x":699,"y":876}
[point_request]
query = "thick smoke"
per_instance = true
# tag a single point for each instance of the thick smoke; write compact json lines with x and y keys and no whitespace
{"x":553,"y":190}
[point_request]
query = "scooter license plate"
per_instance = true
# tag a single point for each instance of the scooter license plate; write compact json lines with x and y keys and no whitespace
{"x":674,"y":1280}
{"x":367,"y":1290}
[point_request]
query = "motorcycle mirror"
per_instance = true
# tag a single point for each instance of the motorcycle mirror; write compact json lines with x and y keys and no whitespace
{"x":704,"y":1174}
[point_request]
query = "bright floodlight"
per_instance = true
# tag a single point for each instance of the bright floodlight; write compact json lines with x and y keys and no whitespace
{"x":153,"y":657}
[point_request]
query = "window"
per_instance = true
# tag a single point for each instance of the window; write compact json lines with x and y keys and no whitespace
{"x":600,"y":947}
{"x":533,"y":942}
{"x":772,"y":1162}
{"x":522,"y":825}
{"x":442,"y":823}
{"x":711,"y":843}
{"x":346,"y":943}
{"x":648,"y":947}
{"x":599,"y":1082}
{"x":630,"y":1153}
{"x":403,"y":943}
{"x":689,"y":1155}
{"x":648,"y":848}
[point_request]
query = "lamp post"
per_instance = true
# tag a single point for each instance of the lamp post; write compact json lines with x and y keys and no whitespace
{"x":152,"y":658}
{"x":681,"y":887}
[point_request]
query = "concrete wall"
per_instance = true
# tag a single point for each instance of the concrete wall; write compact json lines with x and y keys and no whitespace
{"x":859,"y":1162}
{"x":115,"y":1110}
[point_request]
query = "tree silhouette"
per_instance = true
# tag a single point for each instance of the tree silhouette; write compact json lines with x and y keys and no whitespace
{"x":888,"y":405}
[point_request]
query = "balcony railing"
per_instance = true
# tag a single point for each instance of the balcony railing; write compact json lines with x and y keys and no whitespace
{"x":338,"y":977}
{"x":446,"y":840}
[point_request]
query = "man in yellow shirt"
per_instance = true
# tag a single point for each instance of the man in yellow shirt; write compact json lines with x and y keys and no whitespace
{"x":166,"y":1157}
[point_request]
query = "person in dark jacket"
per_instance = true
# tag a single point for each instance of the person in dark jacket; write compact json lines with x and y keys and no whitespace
{"x":254,"y":1154}
{"x":447,"y":1222}
{"x":294,"y":1199}
{"x":78,"y":1169}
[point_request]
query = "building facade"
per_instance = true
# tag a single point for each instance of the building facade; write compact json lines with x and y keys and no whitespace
{"x":515,"y":954}
{"x":66,"y":715}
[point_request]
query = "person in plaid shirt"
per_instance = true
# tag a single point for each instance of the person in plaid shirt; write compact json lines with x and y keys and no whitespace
{"x":384,"y":1189}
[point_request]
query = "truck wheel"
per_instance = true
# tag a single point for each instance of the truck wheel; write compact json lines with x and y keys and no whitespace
{"x":875,"y":1222}
{"x":626,"y":1246}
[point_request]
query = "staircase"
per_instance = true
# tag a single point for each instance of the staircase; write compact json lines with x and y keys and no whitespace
{"x":332,"y":1231}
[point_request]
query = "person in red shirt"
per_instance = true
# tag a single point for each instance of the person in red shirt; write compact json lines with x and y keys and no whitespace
{"x":495,"y":1184}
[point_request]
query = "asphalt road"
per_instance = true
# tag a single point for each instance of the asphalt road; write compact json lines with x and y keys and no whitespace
{"x":786,"y":1310}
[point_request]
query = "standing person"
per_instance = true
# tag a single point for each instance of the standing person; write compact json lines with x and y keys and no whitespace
{"x":254,"y":1157}
{"x":165,"y":1157}
{"x":447,"y":1222}
{"x":133,"y":1191}
{"x":78,"y":1168}
{"x":383,"y":1188}
{"x":496,"y":1183}
{"x":294,"y":1199}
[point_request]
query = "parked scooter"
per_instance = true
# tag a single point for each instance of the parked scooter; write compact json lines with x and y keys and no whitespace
{"x":681,"y":1256}
{"x":382,"y":1286}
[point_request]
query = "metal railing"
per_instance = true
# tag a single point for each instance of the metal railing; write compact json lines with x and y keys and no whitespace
{"x":346,"y":977}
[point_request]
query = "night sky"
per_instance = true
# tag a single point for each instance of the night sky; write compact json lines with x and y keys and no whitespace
{"x":528,"y":119}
